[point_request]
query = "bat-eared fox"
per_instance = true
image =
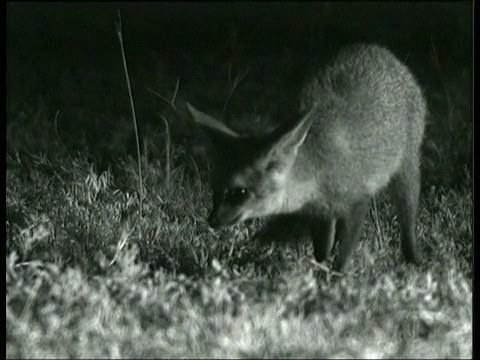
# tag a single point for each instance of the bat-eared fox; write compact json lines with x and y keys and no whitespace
{"x":359,"y":130}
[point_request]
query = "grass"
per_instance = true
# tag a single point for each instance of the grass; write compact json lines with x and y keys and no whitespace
{"x":88,"y":278}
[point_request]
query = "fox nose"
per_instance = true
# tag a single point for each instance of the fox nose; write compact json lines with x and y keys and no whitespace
{"x":213,"y":221}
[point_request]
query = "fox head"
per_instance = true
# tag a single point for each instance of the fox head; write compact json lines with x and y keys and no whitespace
{"x":249,"y":175}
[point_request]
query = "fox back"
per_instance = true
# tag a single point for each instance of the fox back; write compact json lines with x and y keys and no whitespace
{"x":359,"y":129}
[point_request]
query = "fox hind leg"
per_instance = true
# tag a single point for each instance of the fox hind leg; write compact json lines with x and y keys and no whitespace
{"x":405,"y":191}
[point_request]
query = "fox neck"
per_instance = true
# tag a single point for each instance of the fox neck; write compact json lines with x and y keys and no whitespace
{"x":301,"y":188}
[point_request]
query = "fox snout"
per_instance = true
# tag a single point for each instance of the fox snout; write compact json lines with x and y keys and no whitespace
{"x":213,"y":221}
{"x":229,"y":207}
{"x":223,"y":216}
{"x":217,"y":220}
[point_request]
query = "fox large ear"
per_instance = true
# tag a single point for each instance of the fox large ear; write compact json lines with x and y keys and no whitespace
{"x":285,"y":141}
{"x":291,"y":137}
{"x":219,"y":140}
{"x":210,"y":122}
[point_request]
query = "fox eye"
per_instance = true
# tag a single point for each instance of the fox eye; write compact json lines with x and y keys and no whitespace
{"x":235,"y":196}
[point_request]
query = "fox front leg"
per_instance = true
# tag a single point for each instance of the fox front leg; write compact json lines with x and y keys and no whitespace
{"x":282,"y":229}
{"x":323,"y":236}
{"x":349,"y":232}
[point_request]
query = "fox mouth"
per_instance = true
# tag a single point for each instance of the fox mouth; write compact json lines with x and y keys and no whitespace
{"x":216,"y":223}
